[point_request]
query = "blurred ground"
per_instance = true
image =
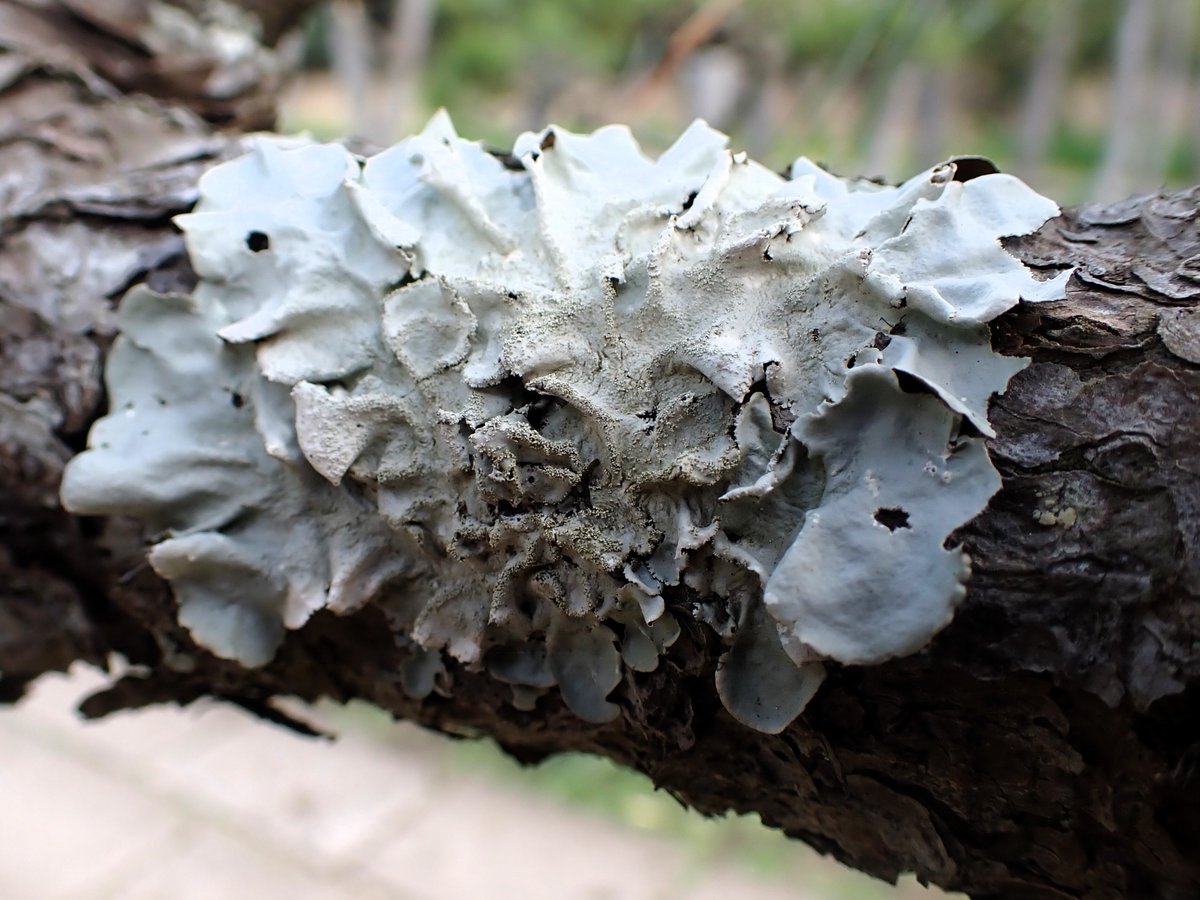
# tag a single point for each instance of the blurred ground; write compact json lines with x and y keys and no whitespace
{"x":210,"y":803}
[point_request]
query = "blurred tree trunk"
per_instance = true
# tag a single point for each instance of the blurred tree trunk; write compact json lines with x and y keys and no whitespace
{"x":1046,"y":745}
{"x":936,"y":102}
{"x":893,"y":96}
{"x":1175,"y":35}
{"x":1047,"y":83}
{"x":1127,"y":119}
{"x":409,"y":36}
{"x":889,"y":134}
{"x":380,"y":73}
{"x":350,"y":53}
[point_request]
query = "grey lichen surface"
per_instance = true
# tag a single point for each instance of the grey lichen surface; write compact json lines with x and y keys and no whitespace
{"x":539,"y":412}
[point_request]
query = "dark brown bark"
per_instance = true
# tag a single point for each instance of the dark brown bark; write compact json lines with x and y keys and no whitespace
{"x":186,"y":52}
{"x":1046,"y":745}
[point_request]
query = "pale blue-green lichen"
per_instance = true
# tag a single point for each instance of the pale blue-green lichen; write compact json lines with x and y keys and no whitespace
{"x":540,"y":413}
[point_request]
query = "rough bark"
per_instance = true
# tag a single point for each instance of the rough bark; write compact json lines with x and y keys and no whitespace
{"x":1045,"y":745}
{"x":205,"y":56}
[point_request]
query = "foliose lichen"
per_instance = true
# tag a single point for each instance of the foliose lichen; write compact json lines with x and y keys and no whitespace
{"x":540,"y":409}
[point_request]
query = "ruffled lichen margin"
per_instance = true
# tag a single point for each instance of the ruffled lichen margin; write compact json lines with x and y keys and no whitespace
{"x":541,"y":409}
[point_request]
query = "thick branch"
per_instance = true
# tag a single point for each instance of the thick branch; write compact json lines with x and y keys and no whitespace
{"x":1045,"y":745}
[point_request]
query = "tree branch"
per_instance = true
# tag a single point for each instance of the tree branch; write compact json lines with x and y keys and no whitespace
{"x":1046,"y":744}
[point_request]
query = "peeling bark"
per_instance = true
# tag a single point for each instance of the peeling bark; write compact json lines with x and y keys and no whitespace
{"x":1045,"y":745}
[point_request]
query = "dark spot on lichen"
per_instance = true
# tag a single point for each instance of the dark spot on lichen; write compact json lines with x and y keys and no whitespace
{"x":237,"y":400}
{"x":258,"y":242}
{"x":405,"y":280}
{"x":892,"y":517}
{"x":968,"y":167}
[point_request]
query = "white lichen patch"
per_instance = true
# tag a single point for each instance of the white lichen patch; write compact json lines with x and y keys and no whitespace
{"x":540,"y":409}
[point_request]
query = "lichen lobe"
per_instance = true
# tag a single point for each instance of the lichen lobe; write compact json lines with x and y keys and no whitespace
{"x":539,"y":417}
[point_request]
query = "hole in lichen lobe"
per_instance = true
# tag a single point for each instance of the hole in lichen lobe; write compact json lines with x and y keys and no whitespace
{"x":892,"y":517}
{"x":968,"y":167}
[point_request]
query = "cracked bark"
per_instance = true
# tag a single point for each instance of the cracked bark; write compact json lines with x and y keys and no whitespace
{"x":1045,"y":745}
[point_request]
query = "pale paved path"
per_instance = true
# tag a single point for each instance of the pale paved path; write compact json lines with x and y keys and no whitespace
{"x":210,"y":804}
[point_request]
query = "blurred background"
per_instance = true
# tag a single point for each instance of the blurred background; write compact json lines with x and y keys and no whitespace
{"x":1084,"y":99}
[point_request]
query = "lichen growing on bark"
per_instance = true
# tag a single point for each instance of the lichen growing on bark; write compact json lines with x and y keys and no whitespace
{"x":541,"y":410}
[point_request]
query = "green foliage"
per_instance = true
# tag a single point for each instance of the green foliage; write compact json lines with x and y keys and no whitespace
{"x":494,"y":45}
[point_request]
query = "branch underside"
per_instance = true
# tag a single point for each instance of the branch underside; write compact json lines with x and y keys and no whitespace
{"x":1046,"y":744}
